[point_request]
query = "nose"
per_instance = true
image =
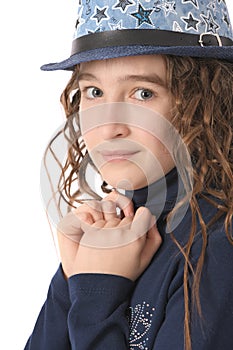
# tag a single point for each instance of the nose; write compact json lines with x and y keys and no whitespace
{"x":114,"y":130}
{"x":114,"y":121}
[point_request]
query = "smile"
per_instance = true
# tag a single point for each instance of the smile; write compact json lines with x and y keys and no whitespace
{"x":118,"y":155}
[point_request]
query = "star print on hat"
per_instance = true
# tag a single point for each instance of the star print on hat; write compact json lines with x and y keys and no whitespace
{"x":123,"y":4}
{"x":193,"y":16}
{"x":116,"y":28}
{"x":142,"y":15}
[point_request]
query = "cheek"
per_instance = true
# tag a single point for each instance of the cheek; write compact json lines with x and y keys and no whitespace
{"x":153,"y":144}
{"x":91,"y":139}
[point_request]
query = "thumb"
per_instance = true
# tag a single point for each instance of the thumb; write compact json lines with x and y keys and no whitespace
{"x":152,"y":244}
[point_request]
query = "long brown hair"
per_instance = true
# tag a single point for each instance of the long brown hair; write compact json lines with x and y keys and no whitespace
{"x":203,"y":95}
{"x":203,"y":115}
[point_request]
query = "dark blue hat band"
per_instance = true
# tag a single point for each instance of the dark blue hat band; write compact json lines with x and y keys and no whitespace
{"x":148,"y":37}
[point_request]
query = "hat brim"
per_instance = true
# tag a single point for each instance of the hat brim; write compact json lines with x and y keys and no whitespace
{"x":219,"y":52}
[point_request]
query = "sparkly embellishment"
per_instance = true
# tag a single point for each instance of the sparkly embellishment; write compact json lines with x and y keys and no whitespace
{"x":143,"y":15}
{"x":140,"y":320}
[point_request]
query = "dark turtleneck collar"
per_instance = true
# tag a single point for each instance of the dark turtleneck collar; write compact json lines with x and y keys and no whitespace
{"x":159,"y":197}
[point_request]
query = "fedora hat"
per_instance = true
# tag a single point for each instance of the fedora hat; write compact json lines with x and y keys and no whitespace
{"x":117,"y":28}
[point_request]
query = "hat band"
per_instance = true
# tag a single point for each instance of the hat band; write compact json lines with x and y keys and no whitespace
{"x":151,"y":37}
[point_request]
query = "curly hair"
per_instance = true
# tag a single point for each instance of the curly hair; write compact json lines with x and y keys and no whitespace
{"x":203,"y":106}
{"x":203,"y":94}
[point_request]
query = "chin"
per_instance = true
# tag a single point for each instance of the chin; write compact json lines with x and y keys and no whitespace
{"x":128,"y":184}
{"x":131,"y":178}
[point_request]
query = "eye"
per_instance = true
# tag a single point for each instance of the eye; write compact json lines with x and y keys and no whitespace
{"x":94,"y":92}
{"x":143,"y":94}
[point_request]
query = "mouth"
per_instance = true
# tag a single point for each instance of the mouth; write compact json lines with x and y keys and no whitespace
{"x":118,"y":155}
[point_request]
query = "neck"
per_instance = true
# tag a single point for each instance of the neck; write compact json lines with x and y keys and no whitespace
{"x":161,"y":196}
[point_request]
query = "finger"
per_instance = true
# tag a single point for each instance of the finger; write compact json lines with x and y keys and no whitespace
{"x":99,"y":224}
{"x":94,"y":235}
{"x":112,"y":223}
{"x":141,"y":222}
{"x":122,"y":202}
{"x":70,"y":226}
{"x":109,"y":210}
{"x":93,"y":207}
{"x":86,"y":217}
{"x":126,"y":221}
{"x":152,"y":243}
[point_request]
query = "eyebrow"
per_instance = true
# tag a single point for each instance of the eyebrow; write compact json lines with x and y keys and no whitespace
{"x":150,"y":78}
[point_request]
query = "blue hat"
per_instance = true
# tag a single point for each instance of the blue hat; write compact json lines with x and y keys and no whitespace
{"x":117,"y":28}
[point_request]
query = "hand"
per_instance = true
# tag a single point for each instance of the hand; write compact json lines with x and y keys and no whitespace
{"x":107,"y":243}
{"x":69,"y":228}
{"x":92,"y":211}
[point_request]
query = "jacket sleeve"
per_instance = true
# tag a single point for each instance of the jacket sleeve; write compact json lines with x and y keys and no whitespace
{"x":51,"y":331}
{"x":97,"y":318}
{"x":213,"y":330}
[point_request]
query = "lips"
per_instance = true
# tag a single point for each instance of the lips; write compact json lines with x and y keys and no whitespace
{"x":117,"y":155}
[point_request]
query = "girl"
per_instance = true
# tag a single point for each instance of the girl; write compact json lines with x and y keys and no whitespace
{"x":150,"y":268}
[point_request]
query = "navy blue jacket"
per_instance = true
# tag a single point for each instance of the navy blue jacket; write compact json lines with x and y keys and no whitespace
{"x":107,"y":312}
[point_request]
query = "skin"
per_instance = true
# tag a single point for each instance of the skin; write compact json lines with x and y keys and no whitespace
{"x":129,"y":260}
{"x":140,"y":81}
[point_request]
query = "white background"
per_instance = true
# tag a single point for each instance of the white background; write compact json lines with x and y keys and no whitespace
{"x":32,"y":33}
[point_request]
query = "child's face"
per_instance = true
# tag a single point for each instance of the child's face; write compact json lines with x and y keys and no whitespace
{"x":126,"y":151}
